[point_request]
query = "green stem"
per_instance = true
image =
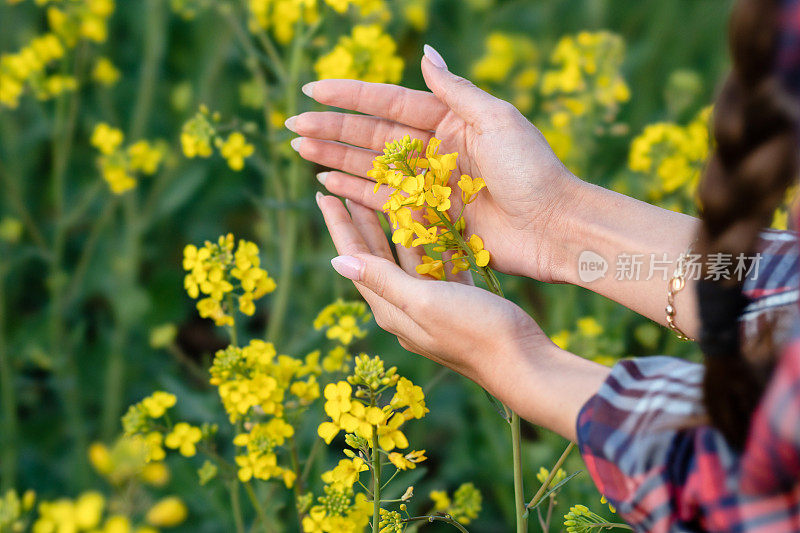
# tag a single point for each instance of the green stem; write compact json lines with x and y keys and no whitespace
{"x":10,"y":437}
{"x":66,"y":367}
{"x":288,"y":217}
{"x":236,"y":506}
{"x":550,"y":476}
{"x":298,"y":480}
{"x":519,"y":489}
{"x":376,"y":482}
{"x":431,"y":518}
{"x":257,"y":505}
{"x":154,"y":47}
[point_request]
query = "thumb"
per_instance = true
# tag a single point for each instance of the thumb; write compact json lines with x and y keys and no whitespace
{"x":381,"y":276}
{"x":472,"y":104}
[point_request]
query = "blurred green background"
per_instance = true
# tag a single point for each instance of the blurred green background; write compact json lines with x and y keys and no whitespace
{"x":75,"y":327}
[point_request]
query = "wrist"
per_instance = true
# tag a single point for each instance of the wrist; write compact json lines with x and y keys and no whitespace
{"x":564,"y":232}
{"x":551,"y":386}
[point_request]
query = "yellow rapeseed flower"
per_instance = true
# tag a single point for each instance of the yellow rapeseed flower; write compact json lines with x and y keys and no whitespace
{"x":235,"y":150}
{"x":106,"y":139}
{"x":367,"y":54}
{"x":184,"y":438}
{"x":167,"y":512}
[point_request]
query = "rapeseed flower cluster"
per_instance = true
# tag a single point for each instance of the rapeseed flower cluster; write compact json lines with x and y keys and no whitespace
{"x":281,"y":17}
{"x":68,"y":22}
{"x":415,"y":12}
{"x":373,"y":434}
{"x":90,"y":512}
{"x":223,"y":273}
{"x":149,"y":422}
{"x":130,"y":459}
{"x":464,"y":506}
{"x":119,"y":165}
{"x":104,"y":72}
{"x":264,"y":390}
{"x":509,"y":61}
{"x":585,"y":77}
{"x":342,"y":320}
{"x":352,"y":406}
{"x":587,"y":339}
{"x":581,"y":519}
{"x":14,"y":510}
{"x":418,"y":207}
{"x":543,"y":473}
{"x":367,"y":54}
{"x":338,"y":510}
{"x":581,"y":94}
{"x":672,"y":157}
{"x":28,"y":67}
{"x":199,"y":134}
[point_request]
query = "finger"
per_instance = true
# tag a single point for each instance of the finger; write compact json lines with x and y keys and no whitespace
{"x":464,"y":276}
{"x":383,"y":277}
{"x":346,"y":237}
{"x":354,"y":188}
{"x":409,"y":258}
{"x":359,"y":130}
{"x":368,"y":225}
{"x":419,"y":109}
{"x":331,"y":154}
{"x":476,"y":107}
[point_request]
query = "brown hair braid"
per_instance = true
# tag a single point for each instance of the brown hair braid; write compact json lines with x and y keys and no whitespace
{"x":754,"y":162}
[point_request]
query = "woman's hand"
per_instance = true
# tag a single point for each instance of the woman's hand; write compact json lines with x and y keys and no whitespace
{"x":480,"y":335}
{"x":528,"y":187}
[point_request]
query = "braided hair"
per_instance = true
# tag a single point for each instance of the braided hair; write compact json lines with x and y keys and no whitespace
{"x":755,"y":161}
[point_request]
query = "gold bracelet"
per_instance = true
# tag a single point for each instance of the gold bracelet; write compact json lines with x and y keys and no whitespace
{"x":676,"y":284}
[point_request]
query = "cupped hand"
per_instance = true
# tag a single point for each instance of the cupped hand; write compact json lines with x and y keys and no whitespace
{"x":461,"y":326}
{"x":528,"y":187}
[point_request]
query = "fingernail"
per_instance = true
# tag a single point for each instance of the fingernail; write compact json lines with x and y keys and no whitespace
{"x":296,"y":144}
{"x":434,"y":57}
{"x":348,"y":266}
{"x":308,"y":89}
{"x":290,"y":122}
{"x":318,"y":197}
{"x":321,"y":177}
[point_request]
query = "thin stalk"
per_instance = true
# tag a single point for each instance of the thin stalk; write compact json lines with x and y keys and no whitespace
{"x":288,"y":217}
{"x":437,"y":518}
{"x":376,"y":482}
{"x":236,"y":506}
{"x":66,"y":366}
{"x":257,"y":505}
{"x":154,"y":47}
{"x":88,"y":250}
{"x":315,"y":448}
{"x":298,"y":480}
{"x":551,"y":475}
{"x":519,"y":489}
{"x":10,"y":437}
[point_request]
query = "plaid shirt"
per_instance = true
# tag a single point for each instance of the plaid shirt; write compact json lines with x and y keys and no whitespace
{"x":662,"y":476}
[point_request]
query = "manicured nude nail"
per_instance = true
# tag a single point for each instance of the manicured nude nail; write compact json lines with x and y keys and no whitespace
{"x":348,"y":266}
{"x":321,"y":177}
{"x":308,"y":89}
{"x":296,"y":144}
{"x":318,"y":197}
{"x":290,"y":122}
{"x":434,"y":57}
